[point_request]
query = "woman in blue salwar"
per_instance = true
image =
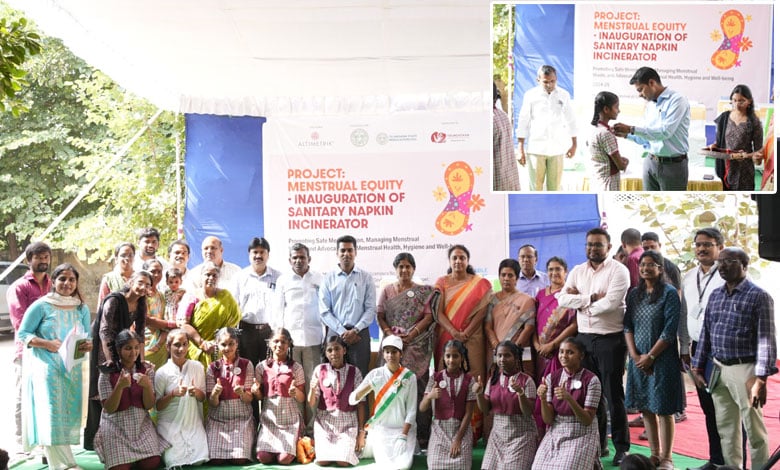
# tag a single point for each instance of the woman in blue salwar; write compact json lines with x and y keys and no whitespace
{"x":51,"y":407}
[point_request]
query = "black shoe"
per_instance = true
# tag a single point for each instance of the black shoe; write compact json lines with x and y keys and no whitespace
{"x":619,"y":456}
{"x":706,"y":466}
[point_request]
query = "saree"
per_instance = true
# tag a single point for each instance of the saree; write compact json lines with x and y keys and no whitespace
{"x":211,"y":314}
{"x":402,"y":311}
{"x":768,"y":178}
{"x":155,"y":348}
{"x":462,"y":302}
{"x":510,"y":315}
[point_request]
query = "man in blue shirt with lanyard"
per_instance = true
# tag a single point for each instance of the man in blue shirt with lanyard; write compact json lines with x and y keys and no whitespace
{"x":739,"y":336}
{"x":665,"y":133}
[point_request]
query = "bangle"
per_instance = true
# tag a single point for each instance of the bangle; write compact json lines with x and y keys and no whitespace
{"x":652,"y":358}
{"x":415,"y":330}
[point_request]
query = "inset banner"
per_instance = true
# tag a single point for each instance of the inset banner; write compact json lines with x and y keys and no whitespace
{"x":699,"y":50}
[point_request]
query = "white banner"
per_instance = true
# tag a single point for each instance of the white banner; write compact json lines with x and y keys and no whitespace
{"x":414,"y":182}
{"x":700,"y":50}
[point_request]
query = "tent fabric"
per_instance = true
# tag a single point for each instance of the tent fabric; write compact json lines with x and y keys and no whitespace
{"x":281,"y":57}
{"x":554,"y":224}
{"x":224,"y":185}
{"x":544,"y":35}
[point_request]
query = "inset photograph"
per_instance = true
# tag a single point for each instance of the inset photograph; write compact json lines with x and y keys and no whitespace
{"x":631,"y":97}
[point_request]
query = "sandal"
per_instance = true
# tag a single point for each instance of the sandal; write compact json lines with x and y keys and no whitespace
{"x":655,"y":460}
{"x":666,"y":464}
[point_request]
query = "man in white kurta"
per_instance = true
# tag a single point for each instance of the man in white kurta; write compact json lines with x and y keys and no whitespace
{"x":548,"y":127}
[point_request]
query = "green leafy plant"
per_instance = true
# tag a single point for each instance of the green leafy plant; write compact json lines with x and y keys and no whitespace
{"x":676,"y":219}
{"x":18,"y":42}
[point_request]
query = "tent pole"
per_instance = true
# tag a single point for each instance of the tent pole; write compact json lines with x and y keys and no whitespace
{"x":85,"y":190}
{"x":179,"y":220}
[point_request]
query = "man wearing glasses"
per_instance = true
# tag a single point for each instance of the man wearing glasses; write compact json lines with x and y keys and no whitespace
{"x":697,"y":285}
{"x":597,"y":290}
{"x":739,"y":336}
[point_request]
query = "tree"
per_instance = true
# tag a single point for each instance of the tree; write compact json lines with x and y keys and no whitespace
{"x":503,"y":30}
{"x":77,"y":119}
{"x":17,"y":43}
{"x":678,"y":217}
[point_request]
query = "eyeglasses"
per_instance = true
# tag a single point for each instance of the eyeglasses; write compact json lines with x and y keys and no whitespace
{"x":649,"y":265}
{"x":595,"y":245}
{"x":703,"y":244}
{"x":729,"y":261}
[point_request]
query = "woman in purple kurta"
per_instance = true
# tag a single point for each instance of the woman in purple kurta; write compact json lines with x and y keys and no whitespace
{"x":569,"y":399}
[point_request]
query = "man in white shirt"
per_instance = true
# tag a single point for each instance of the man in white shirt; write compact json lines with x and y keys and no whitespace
{"x":597,"y":290}
{"x":254,"y":289}
{"x":548,"y":126}
{"x":697,"y":285}
{"x":297,"y":310}
{"x":212,"y":250}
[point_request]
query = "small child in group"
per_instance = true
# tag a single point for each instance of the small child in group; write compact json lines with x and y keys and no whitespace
{"x":607,"y":162}
{"x":338,"y":426}
{"x":453,"y":397}
{"x":392,"y":432}
{"x":510,"y":395}
{"x":281,"y":391}
{"x":127,"y":437}
{"x":173,"y":292}
{"x":231,"y":426}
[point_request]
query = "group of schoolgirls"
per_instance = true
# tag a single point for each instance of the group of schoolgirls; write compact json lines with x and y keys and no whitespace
{"x":127,"y":436}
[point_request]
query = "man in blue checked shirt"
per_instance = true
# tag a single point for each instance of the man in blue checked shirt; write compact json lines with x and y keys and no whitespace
{"x":739,"y":336}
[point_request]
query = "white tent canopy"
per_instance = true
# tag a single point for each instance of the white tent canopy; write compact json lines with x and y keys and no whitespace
{"x":282,"y":57}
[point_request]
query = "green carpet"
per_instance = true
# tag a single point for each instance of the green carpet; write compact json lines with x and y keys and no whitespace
{"x":89,"y":461}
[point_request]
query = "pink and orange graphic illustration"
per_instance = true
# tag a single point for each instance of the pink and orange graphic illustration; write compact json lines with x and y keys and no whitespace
{"x":732,"y":23}
{"x":454,"y":219}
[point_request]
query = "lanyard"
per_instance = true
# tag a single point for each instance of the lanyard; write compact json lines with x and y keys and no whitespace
{"x":698,"y":282}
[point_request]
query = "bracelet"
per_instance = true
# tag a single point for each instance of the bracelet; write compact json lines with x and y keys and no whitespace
{"x":652,"y":358}
{"x":415,"y":330}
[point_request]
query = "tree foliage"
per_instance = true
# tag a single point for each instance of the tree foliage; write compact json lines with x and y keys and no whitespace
{"x":676,"y":219}
{"x":18,"y":42}
{"x":503,"y":31}
{"x":77,"y":119}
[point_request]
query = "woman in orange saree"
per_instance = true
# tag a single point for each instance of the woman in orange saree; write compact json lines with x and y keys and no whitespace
{"x":461,"y":314}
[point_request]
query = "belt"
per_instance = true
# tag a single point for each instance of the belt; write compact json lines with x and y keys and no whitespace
{"x":254,"y":326}
{"x":737,"y":360}
{"x":675,"y":159}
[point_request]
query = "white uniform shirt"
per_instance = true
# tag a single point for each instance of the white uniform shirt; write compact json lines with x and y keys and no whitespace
{"x":255,"y":294}
{"x":604,"y":316}
{"x":297,"y":308}
{"x":547,"y":121}
{"x":227,"y":277}
{"x":697,"y":287}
